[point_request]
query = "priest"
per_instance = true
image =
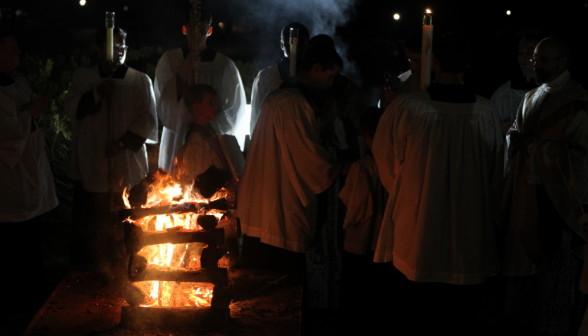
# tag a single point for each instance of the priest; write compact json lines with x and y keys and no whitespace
{"x":546,"y":185}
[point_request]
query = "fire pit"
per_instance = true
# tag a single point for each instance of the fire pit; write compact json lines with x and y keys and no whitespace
{"x":176,"y":256}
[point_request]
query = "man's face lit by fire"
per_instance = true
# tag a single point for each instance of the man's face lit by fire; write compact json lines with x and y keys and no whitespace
{"x":9,"y":54}
{"x":204,"y":31}
{"x":119,"y":50}
{"x":415,"y":61}
{"x":205,"y":111}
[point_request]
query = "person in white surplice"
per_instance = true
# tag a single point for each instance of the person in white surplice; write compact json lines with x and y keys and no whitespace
{"x":509,"y":95}
{"x":270,"y":78}
{"x":287,"y":168}
{"x":200,"y":150}
{"x":439,"y":155}
{"x":175,"y":72}
{"x":28,"y":190}
{"x":129,"y":97}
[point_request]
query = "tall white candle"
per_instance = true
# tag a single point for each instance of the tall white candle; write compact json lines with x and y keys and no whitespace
{"x":109,"y":35}
{"x":293,"y":51}
{"x":427,"y":49}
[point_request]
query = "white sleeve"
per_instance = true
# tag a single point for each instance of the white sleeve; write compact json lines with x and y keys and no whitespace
{"x":304,"y":160}
{"x":357,"y":197}
{"x":145,"y":123}
{"x":172,"y":113}
{"x":256,"y":100}
{"x":389,"y":144}
{"x":15,"y":128}
{"x":233,"y":101}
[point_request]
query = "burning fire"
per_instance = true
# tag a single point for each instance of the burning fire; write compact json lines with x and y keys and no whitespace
{"x":173,"y":257}
{"x":176,"y":294}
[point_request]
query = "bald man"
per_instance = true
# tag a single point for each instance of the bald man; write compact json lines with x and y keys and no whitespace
{"x":547,"y":180}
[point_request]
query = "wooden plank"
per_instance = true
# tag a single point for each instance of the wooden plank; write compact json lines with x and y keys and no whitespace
{"x":136,"y":238}
{"x":189,"y":318}
{"x":220,"y":204}
{"x":217,"y":276}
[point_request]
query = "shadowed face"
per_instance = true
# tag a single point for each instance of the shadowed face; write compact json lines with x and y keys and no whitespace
{"x":415,"y":61}
{"x":547,"y":63}
{"x":526,"y":49}
{"x":205,"y":111}
{"x":204,"y":31}
{"x":9,"y":54}
{"x":323,"y":80}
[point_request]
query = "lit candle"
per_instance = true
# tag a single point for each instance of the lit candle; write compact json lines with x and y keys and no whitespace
{"x":427,"y":49}
{"x":109,"y":37}
{"x":293,"y":46}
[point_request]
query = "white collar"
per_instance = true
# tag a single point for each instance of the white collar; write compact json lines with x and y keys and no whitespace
{"x":556,"y":84}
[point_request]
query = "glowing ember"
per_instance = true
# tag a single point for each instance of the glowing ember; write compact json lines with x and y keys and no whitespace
{"x":176,"y":294}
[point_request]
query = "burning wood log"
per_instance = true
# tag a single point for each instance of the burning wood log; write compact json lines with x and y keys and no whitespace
{"x":218,"y":276}
{"x":136,"y":238}
{"x":207,"y":222}
{"x":211,"y":181}
{"x":137,"y":213}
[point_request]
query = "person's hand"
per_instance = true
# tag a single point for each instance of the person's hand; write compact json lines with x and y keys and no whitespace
{"x":190,"y":63}
{"x":113,"y":149}
{"x":37,"y":107}
{"x":106,"y":89}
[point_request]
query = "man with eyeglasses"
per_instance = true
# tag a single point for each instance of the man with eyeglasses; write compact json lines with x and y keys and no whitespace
{"x":94,"y":93}
{"x":175,"y":73}
{"x":509,"y":95}
{"x":547,"y":183}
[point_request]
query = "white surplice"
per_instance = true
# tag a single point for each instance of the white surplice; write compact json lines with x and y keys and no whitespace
{"x":222,"y":75}
{"x":365,"y":199}
{"x":27,"y":188}
{"x":266,"y":81}
{"x":442,"y":165}
{"x":285,"y":169}
{"x":133,"y":108}
{"x":197,"y":155}
{"x":506,"y":100}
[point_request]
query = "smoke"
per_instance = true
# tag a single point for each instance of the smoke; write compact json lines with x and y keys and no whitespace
{"x":269,"y":16}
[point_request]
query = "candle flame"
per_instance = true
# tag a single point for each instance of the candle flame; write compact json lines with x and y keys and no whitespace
{"x":508,"y":12}
{"x":82,"y":2}
{"x":428,"y":11}
{"x":396,"y":16}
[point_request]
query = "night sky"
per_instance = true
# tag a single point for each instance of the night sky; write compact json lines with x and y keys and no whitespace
{"x":365,"y":31}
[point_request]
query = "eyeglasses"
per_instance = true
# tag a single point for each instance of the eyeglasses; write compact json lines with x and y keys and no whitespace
{"x":123,"y":48}
{"x":543,"y":60}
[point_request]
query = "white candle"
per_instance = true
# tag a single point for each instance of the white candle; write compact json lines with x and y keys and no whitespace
{"x":427,"y":49}
{"x":109,"y":36}
{"x":293,"y":51}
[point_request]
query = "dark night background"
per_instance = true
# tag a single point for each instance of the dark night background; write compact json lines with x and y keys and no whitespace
{"x":57,"y":36}
{"x":364,"y":30}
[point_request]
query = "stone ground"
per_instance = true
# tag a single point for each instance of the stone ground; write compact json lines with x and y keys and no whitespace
{"x":81,"y":306}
